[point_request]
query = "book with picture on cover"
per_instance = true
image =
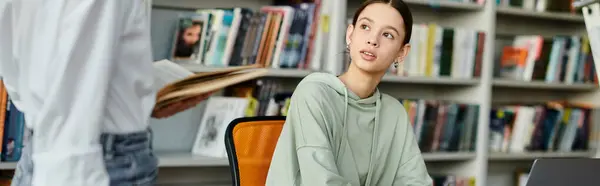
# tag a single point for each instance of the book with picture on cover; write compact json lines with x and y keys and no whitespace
{"x":177,"y":83}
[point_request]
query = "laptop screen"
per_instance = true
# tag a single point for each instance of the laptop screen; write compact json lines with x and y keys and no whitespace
{"x":565,"y":172}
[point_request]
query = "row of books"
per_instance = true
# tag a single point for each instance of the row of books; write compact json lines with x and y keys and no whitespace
{"x":438,"y":125}
{"x":267,"y":97}
{"x":276,"y":36}
{"x":445,"y":126}
{"x":555,"y":126}
{"x":285,"y":36}
{"x":443,"y":51}
{"x":561,"y":59}
{"x":12,"y":128}
{"x":442,"y":126}
{"x":438,"y":51}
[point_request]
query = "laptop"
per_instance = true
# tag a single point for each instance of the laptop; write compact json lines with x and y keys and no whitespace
{"x":565,"y":172}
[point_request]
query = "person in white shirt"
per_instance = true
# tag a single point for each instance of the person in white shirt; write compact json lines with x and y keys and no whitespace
{"x":81,"y":72}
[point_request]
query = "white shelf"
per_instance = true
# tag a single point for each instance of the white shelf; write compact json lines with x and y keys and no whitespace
{"x":175,"y":159}
{"x":295,"y":73}
{"x":8,"y":165}
{"x":186,"y":159}
{"x":448,"y":156}
{"x":544,"y":85}
{"x":535,"y":155}
{"x":555,"y":16}
{"x":283,"y":73}
{"x":429,"y":80}
{"x":445,"y":4}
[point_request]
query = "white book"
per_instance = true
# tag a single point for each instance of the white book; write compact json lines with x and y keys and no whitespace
{"x":166,"y":72}
{"x":219,"y":113}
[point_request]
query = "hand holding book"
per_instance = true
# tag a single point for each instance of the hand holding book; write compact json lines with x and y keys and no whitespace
{"x":181,"y":89}
{"x":174,"y":108}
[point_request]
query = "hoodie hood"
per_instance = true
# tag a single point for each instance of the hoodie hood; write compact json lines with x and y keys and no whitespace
{"x":336,"y":84}
{"x":362,"y":107}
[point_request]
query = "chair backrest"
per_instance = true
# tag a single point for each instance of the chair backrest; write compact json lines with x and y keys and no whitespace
{"x":250,"y":142}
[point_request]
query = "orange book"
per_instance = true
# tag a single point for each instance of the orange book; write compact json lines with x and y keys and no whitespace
{"x":513,"y":61}
{"x":277,"y":17}
{"x":260,"y":57}
{"x":3,"y":102}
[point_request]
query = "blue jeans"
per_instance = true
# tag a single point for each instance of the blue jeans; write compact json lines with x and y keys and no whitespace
{"x":128,"y":158}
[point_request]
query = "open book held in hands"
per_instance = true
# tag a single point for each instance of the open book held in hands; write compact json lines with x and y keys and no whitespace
{"x":183,"y":89}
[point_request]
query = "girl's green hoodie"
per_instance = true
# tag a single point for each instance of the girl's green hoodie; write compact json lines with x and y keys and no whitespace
{"x":332,"y":137}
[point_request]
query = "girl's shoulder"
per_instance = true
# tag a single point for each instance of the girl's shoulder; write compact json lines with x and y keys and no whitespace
{"x":391,"y":102}
{"x":317,"y":85}
{"x":393,"y":107}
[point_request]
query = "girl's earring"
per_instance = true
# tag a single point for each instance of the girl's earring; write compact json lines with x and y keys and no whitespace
{"x":396,"y":64}
{"x":347,"y":47}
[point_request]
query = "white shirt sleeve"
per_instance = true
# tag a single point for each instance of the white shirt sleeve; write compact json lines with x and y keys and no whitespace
{"x":5,"y":33}
{"x":76,"y":44}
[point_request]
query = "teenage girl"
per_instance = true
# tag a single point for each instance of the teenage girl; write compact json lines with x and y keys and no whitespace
{"x":341,"y":130}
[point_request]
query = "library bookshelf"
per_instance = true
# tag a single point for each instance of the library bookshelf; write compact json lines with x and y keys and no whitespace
{"x":174,"y":136}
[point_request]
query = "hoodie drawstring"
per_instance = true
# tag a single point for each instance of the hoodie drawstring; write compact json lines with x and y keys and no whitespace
{"x":345,"y":105}
{"x":375,"y":141}
{"x":344,"y":129}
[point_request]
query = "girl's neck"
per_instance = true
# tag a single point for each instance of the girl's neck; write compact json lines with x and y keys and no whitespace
{"x":362,"y":83}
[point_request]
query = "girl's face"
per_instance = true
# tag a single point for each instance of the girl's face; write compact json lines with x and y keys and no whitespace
{"x":191,"y":35}
{"x":375,"y":41}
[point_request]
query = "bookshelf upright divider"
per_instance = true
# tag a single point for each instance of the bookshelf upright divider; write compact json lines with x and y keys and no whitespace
{"x":488,"y":22}
{"x":337,"y":41}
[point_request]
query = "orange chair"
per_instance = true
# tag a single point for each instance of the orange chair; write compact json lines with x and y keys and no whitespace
{"x":250,"y":143}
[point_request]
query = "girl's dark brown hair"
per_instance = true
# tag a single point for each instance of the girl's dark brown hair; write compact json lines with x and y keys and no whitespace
{"x":400,"y":6}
